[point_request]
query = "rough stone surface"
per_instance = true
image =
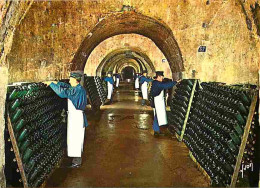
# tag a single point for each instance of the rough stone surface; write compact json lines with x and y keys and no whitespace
{"x":48,"y":38}
{"x":11,"y":14}
{"x":3,"y":86}
{"x":128,"y":40}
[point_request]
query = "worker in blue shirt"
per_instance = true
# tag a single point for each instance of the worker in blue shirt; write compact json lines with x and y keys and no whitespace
{"x":158,"y":102}
{"x":110,"y":82}
{"x":144,"y":86}
{"x":77,"y":120}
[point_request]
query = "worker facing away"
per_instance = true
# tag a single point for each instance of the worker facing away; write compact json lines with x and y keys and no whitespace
{"x":77,"y":120}
{"x":117,"y":80}
{"x":158,"y":102}
{"x":144,"y":86}
{"x":137,"y":85}
{"x":110,"y":82}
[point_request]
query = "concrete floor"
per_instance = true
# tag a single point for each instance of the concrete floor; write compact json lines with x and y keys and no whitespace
{"x":120,"y":150}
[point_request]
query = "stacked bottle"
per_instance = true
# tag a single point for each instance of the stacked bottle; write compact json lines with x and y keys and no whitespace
{"x":92,"y":92}
{"x":39,"y":128}
{"x":215,"y":129}
{"x":179,"y":105}
{"x":100,"y":88}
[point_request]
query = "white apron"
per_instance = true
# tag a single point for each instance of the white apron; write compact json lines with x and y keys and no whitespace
{"x":144,"y":90}
{"x":136,"y":83}
{"x":109,"y":90}
{"x":160,"y":109}
{"x":117,"y":82}
{"x":75,"y":131}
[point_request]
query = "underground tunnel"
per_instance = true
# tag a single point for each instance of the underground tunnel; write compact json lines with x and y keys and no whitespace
{"x":129,"y":93}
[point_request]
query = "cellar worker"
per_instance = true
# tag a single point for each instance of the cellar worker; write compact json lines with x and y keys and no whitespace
{"x":110,"y":82}
{"x":77,"y":120}
{"x":144,"y":86}
{"x":158,"y":101}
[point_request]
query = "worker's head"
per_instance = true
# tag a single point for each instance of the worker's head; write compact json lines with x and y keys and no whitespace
{"x":109,"y":74}
{"x":159,"y":76}
{"x":144,"y":72}
{"x":75,"y":78}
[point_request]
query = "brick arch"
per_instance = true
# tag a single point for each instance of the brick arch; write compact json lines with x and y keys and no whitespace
{"x":127,"y":23}
{"x":121,"y":54}
{"x":129,"y":61}
{"x":128,"y":65}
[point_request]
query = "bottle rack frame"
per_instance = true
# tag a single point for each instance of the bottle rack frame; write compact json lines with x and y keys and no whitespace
{"x":18,"y":156}
{"x":180,"y":137}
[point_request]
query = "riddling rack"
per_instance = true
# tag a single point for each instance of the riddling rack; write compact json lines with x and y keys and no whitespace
{"x":218,"y":130}
{"x":181,"y":105}
{"x":37,"y":128}
{"x":95,"y":91}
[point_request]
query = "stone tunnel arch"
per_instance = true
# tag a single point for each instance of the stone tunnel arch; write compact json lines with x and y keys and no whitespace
{"x":118,"y":56}
{"x":130,"y":22}
{"x":133,"y":62}
{"x":128,"y":65}
{"x":120,"y":59}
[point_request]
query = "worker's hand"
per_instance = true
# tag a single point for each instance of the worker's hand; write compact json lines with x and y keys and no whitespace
{"x":178,"y":81}
{"x":49,"y":82}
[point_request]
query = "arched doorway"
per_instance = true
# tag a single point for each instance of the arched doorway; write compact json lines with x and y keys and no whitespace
{"x":128,"y":73}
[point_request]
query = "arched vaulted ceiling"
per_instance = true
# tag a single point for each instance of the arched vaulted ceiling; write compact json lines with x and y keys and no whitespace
{"x":126,"y":61}
{"x":124,"y":54}
{"x":128,"y":64}
{"x":119,"y":59}
{"x":130,"y":22}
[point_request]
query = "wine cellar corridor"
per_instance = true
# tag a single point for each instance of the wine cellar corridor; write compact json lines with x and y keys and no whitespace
{"x":129,"y":93}
{"x":120,"y":150}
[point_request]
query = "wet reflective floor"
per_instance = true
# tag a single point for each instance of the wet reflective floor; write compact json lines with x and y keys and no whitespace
{"x":120,"y":150}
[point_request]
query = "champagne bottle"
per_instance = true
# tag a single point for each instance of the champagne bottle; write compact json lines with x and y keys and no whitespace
{"x":28,"y":153}
{"x":23,"y":135}
{"x":17,"y":114}
{"x":13,"y":95}
{"x":19,"y":125}
{"x":15,"y":104}
{"x":187,"y":82}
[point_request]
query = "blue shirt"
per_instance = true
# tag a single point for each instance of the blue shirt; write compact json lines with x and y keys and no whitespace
{"x":144,"y":79}
{"x":77,"y":95}
{"x":109,"y":79}
{"x":118,"y":76}
{"x":157,"y":87}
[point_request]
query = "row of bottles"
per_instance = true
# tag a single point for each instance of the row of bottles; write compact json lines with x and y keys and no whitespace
{"x":101,"y":90}
{"x":38,"y":119}
{"x":215,"y":129}
{"x":179,"y":105}
{"x":93,"y":92}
